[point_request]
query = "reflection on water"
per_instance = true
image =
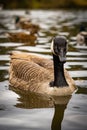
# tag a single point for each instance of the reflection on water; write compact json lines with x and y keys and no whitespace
{"x":30,"y":111}
{"x":58,"y":117}
{"x":30,"y":100}
{"x":59,"y":112}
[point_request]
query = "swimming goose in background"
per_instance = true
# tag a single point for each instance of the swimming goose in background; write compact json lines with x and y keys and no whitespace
{"x":20,"y":19}
{"x":24,"y":37}
{"x":82,"y":36}
{"x":34,"y":73}
{"x":27,"y":25}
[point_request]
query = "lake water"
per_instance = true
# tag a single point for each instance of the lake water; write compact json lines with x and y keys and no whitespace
{"x":22,"y":111}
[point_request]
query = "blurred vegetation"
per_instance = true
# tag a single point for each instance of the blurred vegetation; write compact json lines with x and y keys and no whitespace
{"x":43,"y":4}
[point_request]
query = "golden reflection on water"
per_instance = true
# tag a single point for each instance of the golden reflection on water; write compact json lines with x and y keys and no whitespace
{"x":29,"y":100}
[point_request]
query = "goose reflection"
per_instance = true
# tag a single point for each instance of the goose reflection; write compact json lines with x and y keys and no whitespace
{"x":29,"y":100}
{"x":59,"y":112}
{"x":32,"y":100}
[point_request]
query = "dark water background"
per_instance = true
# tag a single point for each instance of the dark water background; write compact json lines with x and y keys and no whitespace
{"x":20,"y":111}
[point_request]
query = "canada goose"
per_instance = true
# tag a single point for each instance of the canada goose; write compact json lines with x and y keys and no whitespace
{"x":33,"y":73}
{"x":24,"y":37}
{"x":20,"y":19}
{"x":82,"y":36}
{"x":23,"y":23}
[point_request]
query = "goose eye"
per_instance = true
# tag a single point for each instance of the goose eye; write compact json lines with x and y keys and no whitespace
{"x":64,"y":49}
{"x":58,"y":49}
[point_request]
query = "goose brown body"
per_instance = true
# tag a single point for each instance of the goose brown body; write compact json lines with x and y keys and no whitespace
{"x":33,"y":73}
{"x":21,"y":37}
{"x":33,"y":28}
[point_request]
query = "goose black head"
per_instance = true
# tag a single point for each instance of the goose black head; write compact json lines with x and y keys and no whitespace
{"x":82,"y":28}
{"x":59,"y":47}
{"x":17,"y":19}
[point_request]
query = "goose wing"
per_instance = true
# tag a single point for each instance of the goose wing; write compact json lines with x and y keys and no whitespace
{"x":29,"y":69}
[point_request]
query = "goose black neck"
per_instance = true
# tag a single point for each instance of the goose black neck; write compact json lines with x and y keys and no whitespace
{"x":59,"y":78}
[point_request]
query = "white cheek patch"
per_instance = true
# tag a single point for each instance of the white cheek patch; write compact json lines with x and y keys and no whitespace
{"x":52,"y":47}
